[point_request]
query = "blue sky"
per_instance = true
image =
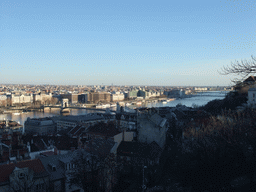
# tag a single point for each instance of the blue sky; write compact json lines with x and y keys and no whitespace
{"x":124,"y":42}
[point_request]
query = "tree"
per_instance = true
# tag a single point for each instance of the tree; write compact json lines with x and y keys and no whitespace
{"x":242,"y":68}
{"x":222,"y":149}
{"x":231,"y":101}
{"x":3,"y":103}
{"x":94,"y":172}
{"x":54,"y":101}
{"x":85,"y":171}
{"x":28,"y":183}
{"x":110,"y":172}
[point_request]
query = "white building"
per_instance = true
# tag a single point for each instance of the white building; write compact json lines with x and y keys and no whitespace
{"x":87,"y":120}
{"x":154,"y":94}
{"x":201,"y":88}
{"x":152,"y":128}
{"x":252,"y":96}
{"x":3,"y":100}
{"x":42,"y":97}
{"x":21,"y":99}
{"x":117,"y":96}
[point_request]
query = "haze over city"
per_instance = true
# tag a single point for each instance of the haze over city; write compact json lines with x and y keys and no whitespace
{"x":126,"y":43}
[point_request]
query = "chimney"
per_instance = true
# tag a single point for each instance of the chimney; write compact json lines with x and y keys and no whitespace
{"x":123,"y":136}
{"x":18,"y":154}
{"x":29,"y":147}
{"x":1,"y":148}
{"x":10,"y":152}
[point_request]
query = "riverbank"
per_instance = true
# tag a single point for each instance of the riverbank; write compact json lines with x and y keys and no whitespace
{"x":189,"y":102}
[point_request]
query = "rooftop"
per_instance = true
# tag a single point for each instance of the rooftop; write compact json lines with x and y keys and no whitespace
{"x":5,"y":170}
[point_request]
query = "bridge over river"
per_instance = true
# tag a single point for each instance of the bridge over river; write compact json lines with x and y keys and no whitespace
{"x":75,"y":107}
{"x":45,"y":107}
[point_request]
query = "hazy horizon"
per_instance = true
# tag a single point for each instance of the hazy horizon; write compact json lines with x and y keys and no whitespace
{"x":145,"y":43}
{"x":109,"y":85}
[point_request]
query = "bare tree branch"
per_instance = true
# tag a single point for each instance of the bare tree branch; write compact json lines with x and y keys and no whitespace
{"x":241,"y":68}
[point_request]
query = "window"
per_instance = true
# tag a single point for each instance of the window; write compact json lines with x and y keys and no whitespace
{"x":40,"y":186}
{"x":21,"y":175}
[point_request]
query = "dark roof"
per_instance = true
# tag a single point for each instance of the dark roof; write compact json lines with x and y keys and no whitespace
{"x":47,"y":153}
{"x":100,"y":147}
{"x":107,"y":129}
{"x":251,"y":78}
{"x":54,"y":161}
{"x":75,"y":130}
{"x":137,"y":149}
{"x":156,"y":119}
{"x":82,"y":118}
{"x":155,"y":149}
{"x":35,"y":165}
{"x":179,"y":114}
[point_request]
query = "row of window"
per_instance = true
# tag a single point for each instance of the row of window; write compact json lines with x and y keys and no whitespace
{"x":70,"y":166}
{"x":40,"y":186}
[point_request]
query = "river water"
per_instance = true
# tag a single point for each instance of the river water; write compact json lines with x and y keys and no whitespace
{"x":199,"y":100}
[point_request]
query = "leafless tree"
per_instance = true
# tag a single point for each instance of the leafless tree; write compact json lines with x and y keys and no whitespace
{"x":3,"y":103}
{"x":230,"y":138}
{"x":85,"y":171}
{"x":241,"y":68}
{"x":29,"y":184}
{"x":53,"y":101}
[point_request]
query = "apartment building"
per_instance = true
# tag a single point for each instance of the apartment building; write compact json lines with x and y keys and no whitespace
{"x":86,"y":120}
{"x":72,"y":98}
{"x":3,"y":100}
{"x":99,"y":97}
{"x":41,"y":126}
{"x":21,"y":99}
{"x":117,"y":96}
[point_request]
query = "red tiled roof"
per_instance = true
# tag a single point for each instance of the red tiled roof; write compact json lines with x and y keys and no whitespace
{"x":5,"y":170}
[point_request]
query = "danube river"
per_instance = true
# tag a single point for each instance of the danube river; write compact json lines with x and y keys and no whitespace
{"x":199,"y":100}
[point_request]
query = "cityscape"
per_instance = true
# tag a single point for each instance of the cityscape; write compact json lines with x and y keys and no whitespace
{"x":116,"y":127}
{"x":136,"y":96}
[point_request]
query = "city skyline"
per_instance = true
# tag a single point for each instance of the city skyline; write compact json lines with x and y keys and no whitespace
{"x":125,"y":43}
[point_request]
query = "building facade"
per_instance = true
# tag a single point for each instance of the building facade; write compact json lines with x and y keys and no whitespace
{"x":99,"y":97}
{"x":152,"y":127}
{"x":117,"y":97}
{"x":252,"y":96}
{"x":41,"y":126}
